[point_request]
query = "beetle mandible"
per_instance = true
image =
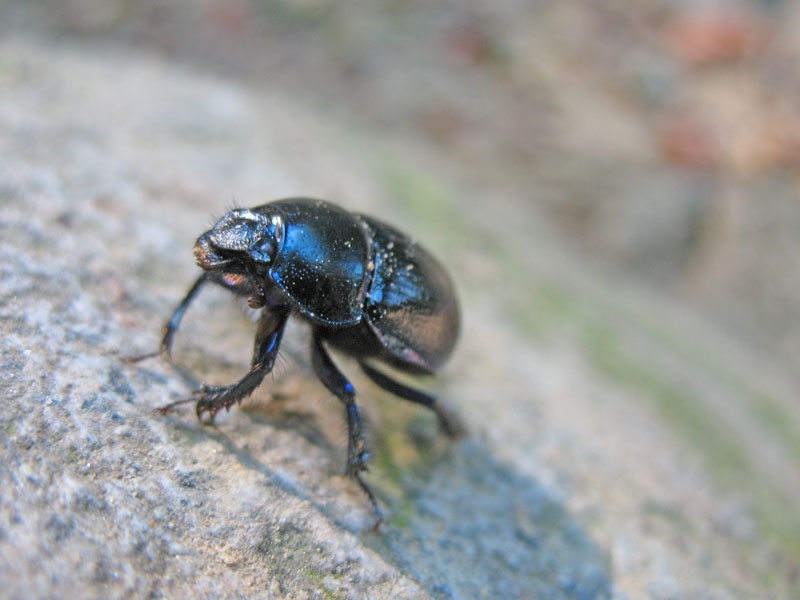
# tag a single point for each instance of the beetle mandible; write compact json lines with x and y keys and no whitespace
{"x":366,"y":289}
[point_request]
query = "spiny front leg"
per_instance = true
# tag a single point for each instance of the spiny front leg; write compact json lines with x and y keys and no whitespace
{"x":211,"y":398}
{"x":338,"y":385}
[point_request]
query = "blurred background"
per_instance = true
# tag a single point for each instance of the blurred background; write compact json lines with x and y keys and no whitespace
{"x":632,"y":168}
{"x":660,"y":138}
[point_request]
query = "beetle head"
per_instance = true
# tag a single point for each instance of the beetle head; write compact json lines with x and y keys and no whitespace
{"x":240,"y":240}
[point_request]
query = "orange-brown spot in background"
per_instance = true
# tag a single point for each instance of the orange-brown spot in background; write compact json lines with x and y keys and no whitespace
{"x":709,"y":37}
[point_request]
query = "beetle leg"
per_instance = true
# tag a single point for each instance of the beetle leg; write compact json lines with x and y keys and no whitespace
{"x":338,"y":385}
{"x":174,"y":322}
{"x":447,"y":420}
{"x":210,"y":398}
{"x":171,"y":327}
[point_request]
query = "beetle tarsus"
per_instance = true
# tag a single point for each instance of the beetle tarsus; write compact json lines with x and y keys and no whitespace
{"x":140,"y":357}
{"x":163,"y":410}
{"x":372,"y":501}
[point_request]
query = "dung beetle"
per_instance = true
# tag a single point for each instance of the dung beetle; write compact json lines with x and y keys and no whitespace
{"x":367,"y":290}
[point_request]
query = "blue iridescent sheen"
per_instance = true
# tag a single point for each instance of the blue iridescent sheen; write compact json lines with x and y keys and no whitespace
{"x":321,"y":263}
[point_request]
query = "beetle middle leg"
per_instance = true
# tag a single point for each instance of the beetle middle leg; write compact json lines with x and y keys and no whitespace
{"x":339,"y":386}
{"x":210,"y":398}
{"x":447,"y":420}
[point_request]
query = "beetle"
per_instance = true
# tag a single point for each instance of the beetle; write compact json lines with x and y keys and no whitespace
{"x":366,"y":289}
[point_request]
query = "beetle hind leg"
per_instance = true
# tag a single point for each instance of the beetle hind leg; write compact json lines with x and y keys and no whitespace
{"x":338,"y":385}
{"x":448,"y":422}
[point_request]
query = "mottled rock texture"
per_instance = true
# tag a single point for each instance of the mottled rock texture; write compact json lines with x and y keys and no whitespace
{"x":109,"y":166}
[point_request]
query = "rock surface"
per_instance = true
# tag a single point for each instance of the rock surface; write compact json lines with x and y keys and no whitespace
{"x":571,"y":484}
{"x":102,"y":191}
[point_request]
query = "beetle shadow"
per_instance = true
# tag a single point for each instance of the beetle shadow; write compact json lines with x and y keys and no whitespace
{"x":245,"y":458}
{"x":472,"y":527}
{"x":465,"y":525}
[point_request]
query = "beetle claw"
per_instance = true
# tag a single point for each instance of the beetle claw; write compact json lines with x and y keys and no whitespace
{"x":211,"y":398}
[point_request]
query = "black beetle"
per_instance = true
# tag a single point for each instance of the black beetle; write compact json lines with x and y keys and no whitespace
{"x":367,"y":290}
